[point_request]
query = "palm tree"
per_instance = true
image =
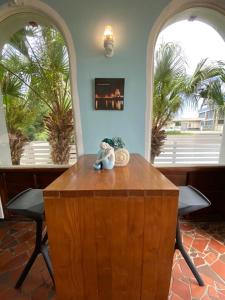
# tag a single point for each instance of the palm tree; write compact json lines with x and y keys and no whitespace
{"x":214,"y":97}
{"x":18,"y":114}
{"x":173,"y":89}
{"x":38,"y":58}
{"x":169,"y":84}
{"x":59,"y":121}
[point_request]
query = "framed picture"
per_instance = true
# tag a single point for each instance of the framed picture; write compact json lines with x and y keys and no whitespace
{"x":109,"y":93}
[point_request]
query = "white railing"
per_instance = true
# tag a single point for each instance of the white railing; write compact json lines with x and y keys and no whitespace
{"x":193,"y":149}
{"x":38,"y":153}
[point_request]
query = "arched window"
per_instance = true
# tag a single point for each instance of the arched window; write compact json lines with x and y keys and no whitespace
{"x":45,"y":88}
{"x":192,"y":144}
{"x":36,"y":93}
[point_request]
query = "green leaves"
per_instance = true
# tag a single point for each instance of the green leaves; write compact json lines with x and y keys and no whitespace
{"x":169,"y":63}
{"x":174,"y":88}
{"x":34,"y":80}
{"x":169,"y":83}
{"x":11,"y":86}
{"x":115,"y":142}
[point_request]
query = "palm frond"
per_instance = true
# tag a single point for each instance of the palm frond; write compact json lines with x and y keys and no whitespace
{"x":174,"y":89}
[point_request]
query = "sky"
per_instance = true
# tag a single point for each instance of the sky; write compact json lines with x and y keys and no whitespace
{"x":198,"y":40}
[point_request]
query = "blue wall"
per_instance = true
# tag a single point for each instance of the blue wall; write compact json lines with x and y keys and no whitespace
{"x":132,"y":21}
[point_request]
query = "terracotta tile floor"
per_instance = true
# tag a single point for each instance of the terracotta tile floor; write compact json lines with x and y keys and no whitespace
{"x":205,"y":243}
{"x":16,"y":245}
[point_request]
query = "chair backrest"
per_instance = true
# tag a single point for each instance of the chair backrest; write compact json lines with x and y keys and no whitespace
{"x":16,"y":197}
{"x":201,"y":194}
{"x":29,"y":203}
{"x":191,"y":200}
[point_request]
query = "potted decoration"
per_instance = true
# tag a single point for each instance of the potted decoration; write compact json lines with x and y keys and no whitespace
{"x":122,"y":155}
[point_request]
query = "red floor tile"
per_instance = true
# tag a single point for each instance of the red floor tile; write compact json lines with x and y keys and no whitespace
{"x":208,"y":255}
{"x":212,"y":292}
{"x":206,"y":251}
{"x":200,"y":244}
{"x":187,"y":241}
{"x":218,"y":246}
{"x":221,"y":291}
{"x":175,"y":297}
{"x":211,"y":258}
{"x":221,"y":296}
{"x":185,"y":269}
{"x":198,"y":292}
{"x":219,"y":268}
{"x":181,"y":289}
{"x":206,"y":298}
{"x":209,"y":281}
{"x":177,"y":273}
{"x":198,"y":261}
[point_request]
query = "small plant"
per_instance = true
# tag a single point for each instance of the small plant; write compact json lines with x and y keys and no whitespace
{"x":118,"y":143}
{"x":115,"y":142}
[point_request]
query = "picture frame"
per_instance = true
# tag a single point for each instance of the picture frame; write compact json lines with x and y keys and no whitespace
{"x":109,"y":93}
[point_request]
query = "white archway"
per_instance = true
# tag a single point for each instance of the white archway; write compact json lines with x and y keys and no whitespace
{"x":14,"y":8}
{"x":173,"y":12}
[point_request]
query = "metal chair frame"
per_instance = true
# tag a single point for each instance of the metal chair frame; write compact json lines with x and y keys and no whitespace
{"x":179,"y":243}
{"x":180,"y":247}
{"x":41,"y":245}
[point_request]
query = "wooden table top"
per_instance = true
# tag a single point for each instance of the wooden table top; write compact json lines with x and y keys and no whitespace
{"x":139,"y":177}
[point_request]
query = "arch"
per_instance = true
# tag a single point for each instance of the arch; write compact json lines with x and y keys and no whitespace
{"x":176,"y":11}
{"x":47,"y":14}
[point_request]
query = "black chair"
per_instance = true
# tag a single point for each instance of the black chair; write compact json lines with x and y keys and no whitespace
{"x":190,"y":200}
{"x":30,"y":204}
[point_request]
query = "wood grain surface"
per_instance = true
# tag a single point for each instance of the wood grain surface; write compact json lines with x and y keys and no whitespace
{"x":15,"y":179}
{"x":138,"y":175}
{"x":112,"y":241}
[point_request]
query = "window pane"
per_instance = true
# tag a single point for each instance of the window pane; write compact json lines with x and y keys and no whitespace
{"x":37,"y":116}
{"x":188,"y":110}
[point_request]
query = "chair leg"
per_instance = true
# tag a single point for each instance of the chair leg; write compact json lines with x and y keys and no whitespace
{"x":179,"y":245}
{"x":45,"y":253}
{"x":47,"y":260}
{"x":45,"y":238}
{"x":34,"y":255}
{"x":40,"y":247}
{"x":26,"y":269}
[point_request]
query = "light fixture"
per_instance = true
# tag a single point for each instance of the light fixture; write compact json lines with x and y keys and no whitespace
{"x":108,"y":41}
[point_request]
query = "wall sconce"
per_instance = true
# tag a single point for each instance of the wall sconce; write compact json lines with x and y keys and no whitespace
{"x":108,"y":41}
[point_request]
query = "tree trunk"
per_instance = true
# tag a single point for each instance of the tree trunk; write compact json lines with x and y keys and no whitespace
{"x":60,"y":146}
{"x":158,"y":139}
{"x":17,"y":142}
{"x":60,"y":133}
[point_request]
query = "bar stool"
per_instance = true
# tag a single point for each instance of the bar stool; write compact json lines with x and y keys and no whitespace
{"x":190,"y":200}
{"x":30,"y":204}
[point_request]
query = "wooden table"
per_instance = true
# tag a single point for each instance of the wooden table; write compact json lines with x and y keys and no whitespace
{"x":111,"y":232}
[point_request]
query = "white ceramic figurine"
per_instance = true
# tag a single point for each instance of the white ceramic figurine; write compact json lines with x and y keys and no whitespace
{"x":106,"y":157}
